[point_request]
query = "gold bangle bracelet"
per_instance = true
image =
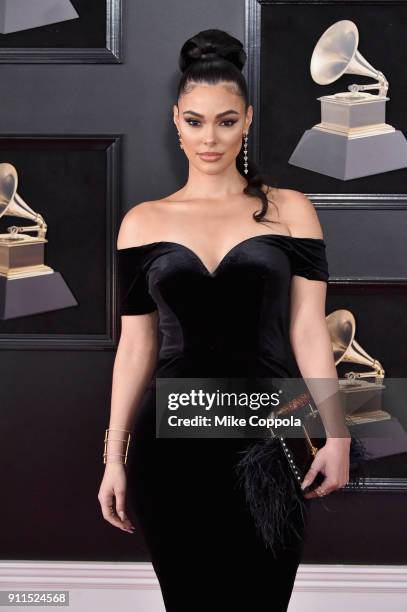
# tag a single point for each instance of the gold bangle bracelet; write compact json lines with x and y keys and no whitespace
{"x":107,"y":439}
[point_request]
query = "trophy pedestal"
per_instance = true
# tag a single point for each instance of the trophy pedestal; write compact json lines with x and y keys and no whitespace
{"x":382,"y":438}
{"x":352,"y":139}
{"x":34,"y":294}
{"x":362,"y":395}
{"x":27,"y":285}
{"x":337,"y":156}
{"x":17,"y":15}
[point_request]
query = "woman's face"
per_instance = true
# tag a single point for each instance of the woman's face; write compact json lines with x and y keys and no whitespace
{"x":212,"y":118}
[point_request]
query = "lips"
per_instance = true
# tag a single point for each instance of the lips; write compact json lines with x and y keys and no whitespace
{"x":210,"y":156}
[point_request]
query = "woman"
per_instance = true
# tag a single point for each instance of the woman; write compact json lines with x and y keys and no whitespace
{"x":232,"y":289}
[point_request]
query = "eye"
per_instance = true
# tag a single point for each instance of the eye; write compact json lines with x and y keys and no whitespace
{"x":195,"y":121}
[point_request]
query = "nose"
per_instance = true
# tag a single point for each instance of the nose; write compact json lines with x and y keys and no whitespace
{"x":209,"y":136}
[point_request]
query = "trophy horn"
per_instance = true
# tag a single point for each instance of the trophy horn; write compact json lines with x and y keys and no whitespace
{"x":336,"y":53}
{"x":11,"y":204}
{"x":342,"y":327}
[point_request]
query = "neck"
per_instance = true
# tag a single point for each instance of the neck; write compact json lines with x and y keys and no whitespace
{"x":221,"y":186}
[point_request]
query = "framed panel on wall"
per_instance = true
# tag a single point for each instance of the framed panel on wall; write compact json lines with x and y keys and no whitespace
{"x":58,"y":225}
{"x":328,"y":85}
{"x":60,"y":31}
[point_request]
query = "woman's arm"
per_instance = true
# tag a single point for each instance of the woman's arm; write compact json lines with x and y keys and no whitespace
{"x":314,"y":356}
{"x":133,"y":368}
{"x":312,"y":347}
{"x":136,"y":354}
{"x":309,"y":334}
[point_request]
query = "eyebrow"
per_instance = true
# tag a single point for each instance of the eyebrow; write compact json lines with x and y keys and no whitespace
{"x":231,"y":111}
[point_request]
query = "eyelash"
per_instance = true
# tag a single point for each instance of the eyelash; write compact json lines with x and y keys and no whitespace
{"x":225,"y":121}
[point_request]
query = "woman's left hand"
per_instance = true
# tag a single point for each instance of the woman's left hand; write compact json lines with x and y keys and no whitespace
{"x":332,"y":460}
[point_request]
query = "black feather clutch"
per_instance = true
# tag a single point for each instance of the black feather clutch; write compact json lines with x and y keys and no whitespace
{"x":273,"y":492}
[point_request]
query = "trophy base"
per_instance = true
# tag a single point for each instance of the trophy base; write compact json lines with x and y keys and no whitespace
{"x":345,"y":159}
{"x":20,"y":297}
{"x":382,"y":438}
{"x":25,"y":271}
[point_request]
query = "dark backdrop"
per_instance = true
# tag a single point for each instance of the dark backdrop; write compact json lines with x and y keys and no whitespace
{"x":55,"y":404}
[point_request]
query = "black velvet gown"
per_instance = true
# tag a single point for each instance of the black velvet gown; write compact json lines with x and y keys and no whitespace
{"x":233,"y":321}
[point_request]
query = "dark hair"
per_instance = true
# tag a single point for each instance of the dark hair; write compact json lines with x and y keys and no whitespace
{"x":212,"y":56}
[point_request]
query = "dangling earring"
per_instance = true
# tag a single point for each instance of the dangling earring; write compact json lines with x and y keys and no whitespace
{"x":245,"y":153}
{"x":180,"y":142}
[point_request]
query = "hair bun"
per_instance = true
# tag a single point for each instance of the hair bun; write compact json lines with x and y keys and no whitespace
{"x":212,"y":45}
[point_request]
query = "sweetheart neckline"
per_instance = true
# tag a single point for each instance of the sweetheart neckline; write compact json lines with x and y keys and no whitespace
{"x":214,"y":272}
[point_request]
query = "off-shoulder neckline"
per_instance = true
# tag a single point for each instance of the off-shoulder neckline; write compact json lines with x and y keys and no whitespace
{"x":225,"y":257}
{"x":147,"y":244}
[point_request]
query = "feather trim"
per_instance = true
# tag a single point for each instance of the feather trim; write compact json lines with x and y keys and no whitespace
{"x":274,"y":496}
{"x":271,"y":492}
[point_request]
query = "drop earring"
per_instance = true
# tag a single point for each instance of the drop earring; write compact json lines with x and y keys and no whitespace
{"x":245,"y":153}
{"x":180,"y":142}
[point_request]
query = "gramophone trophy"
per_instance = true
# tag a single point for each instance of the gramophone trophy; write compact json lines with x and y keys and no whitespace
{"x":382,"y":434}
{"x":27,"y":285}
{"x":352,"y":140}
{"x":16,"y":15}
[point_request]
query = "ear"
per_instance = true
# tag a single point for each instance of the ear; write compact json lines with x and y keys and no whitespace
{"x":175,"y":115}
{"x":249,"y":118}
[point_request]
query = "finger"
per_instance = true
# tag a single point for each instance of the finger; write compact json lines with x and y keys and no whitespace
{"x":309,"y":477}
{"x":321,"y":493}
{"x":121,"y":509}
{"x":322,"y":488}
{"x":125,"y":524}
{"x":120,"y":505}
{"x":109,"y":514}
{"x":311,"y":495}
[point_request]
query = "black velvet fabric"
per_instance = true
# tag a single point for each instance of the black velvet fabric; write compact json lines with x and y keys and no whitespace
{"x":232,"y":321}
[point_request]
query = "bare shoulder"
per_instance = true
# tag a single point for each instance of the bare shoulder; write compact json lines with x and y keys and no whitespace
{"x":299,"y":213}
{"x":137,"y":224}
